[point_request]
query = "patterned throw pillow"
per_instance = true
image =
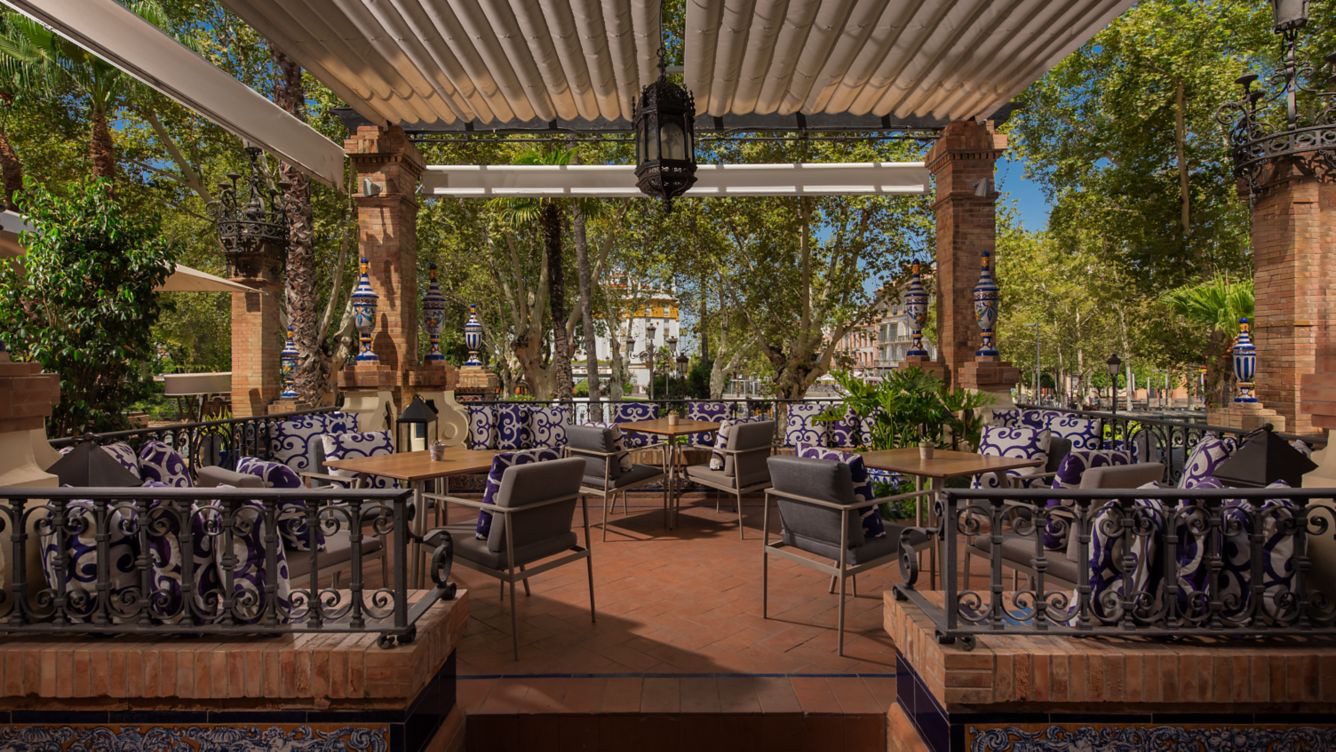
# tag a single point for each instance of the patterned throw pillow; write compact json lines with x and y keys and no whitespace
{"x":1111,"y":548}
{"x":1205,"y":458}
{"x":125,"y":456}
{"x":1018,"y":442}
{"x":1070,"y":472}
{"x":292,"y":526}
{"x":547,"y":426}
{"x":512,"y":427}
{"x":344,"y":446}
{"x":801,"y":426}
{"x":873,"y":527}
{"x":482,"y":427}
{"x":159,"y":462}
{"x":81,"y":550}
{"x":501,"y":463}
{"x":717,"y":458}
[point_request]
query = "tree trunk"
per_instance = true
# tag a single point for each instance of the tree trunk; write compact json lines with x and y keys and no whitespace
{"x":313,"y":367}
{"x":702,"y":323}
{"x":1180,"y":146}
{"x":561,"y":345}
{"x":101,"y":151}
{"x":11,"y":170}
{"x":586,"y":302}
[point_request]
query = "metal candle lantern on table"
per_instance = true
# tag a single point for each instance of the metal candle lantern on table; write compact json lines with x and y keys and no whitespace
{"x":415,"y":425}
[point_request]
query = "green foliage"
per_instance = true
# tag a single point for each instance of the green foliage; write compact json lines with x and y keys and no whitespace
{"x":912,"y":407}
{"x":1216,"y":305}
{"x":83,"y":303}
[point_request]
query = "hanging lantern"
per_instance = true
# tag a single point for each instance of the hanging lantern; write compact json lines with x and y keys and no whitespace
{"x":1245,"y":363}
{"x":665,"y":115}
{"x":251,"y":222}
{"x":287,"y":367}
{"x":433,"y":316}
{"x":916,"y":306}
{"x":985,"y":305}
{"x":364,"y":312}
{"x":473,"y":336}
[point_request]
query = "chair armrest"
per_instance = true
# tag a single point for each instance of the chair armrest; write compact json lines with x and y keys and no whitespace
{"x":1027,"y":481}
{"x":211,"y":476}
{"x":851,"y":507}
{"x":493,"y":508}
{"x":590,"y":452}
{"x":343,"y":480}
{"x":736,"y":452}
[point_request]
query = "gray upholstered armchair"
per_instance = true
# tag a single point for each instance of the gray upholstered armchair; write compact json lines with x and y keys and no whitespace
{"x":821,"y":516}
{"x":531,"y":523}
{"x":603,"y":473}
{"x":744,"y":470}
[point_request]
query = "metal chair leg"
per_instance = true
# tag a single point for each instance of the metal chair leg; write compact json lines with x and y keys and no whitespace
{"x":514,"y":618}
{"x":604,"y":523}
{"x":526,"y":582}
{"x":589,"y":565}
{"x":840,"y":619}
{"x":832,"y":584}
{"x":741,"y":533}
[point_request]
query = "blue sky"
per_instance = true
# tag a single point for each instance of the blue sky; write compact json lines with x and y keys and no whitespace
{"x":1024,"y":194}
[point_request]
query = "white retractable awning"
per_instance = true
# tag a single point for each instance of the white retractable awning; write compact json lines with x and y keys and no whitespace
{"x":135,"y":46}
{"x":618,"y":181}
{"x":420,"y":63}
{"x":939,"y":60}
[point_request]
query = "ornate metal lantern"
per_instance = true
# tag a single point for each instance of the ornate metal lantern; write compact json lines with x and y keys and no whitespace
{"x":364,"y":301}
{"x":665,"y":115}
{"x":916,"y":307}
{"x":1245,"y":363}
{"x":473,"y":336}
{"x":1308,"y":137}
{"x":433,"y":316}
{"x":251,"y":222}
{"x":985,"y":305}
{"x":287,"y":367}
{"x":417,"y":427}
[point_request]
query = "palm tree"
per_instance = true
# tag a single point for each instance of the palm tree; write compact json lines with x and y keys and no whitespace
{"x":1216,"y":306}
{"x":548,"y":213}
{"x":35,"y":60}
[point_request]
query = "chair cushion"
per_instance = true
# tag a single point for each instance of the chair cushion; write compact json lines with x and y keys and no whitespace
{"x":1205,"y":458}
{"x":212,"y":475}
{"x":600,"y":437}
{"x":1019,"y":550}
{"x":512,"y":427}
{"x":471,"y":549}
{"x":708,"y":476}
{"x":1069,"y":475}
{"x":750,"y":467}
{"x":344,"y":446}
{"x":337,"y":550}
{"x":292,"y":527}
{"x":873,"y":527}
{"x":500,"y":463}
{"x":482,"y":427}
{"x":1038,"y":418}
{"x":534,"y":484}
{"x":801,"y":426}
{"x":826,"y":480}
{"x":125,"y":456}
{"x":159,"y":462}
{"x":637,"y":474}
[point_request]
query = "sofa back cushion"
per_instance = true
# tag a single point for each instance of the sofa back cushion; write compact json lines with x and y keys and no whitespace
{"x":159,"y":462}
{"x":346,"y":446}
{"x":801,"y":425}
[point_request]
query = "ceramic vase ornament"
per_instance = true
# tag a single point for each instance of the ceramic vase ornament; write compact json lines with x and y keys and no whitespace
{"x":364,"y":312}
{"x":916,"y":306}
{"x":473,"y":336}
{"x":1245,"y":363}
{"x":433,"y":316}
{"x":985,"y":305}
{"x":287,"y":367}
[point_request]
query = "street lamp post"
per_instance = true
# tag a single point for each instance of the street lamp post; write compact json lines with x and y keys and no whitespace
{"x":1114,"y":364}
{"x":1035,"y":327}
{"x":671,"y":342}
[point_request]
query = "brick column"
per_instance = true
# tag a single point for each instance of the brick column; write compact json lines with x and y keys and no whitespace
{"x":961,"y":163}
{"x":1294,"y":257}
{"x":257,"y":339}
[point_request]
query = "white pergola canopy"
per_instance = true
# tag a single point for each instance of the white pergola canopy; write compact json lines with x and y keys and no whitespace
{"x":618,"y":181}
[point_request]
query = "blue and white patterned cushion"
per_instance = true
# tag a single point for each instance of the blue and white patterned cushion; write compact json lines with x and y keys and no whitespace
{"x":1082,"y":432}
{"x":249,"y":570}
{"x":501,"y":463}
{"x":1205,"y":458}
{"x":713,"y":412}
{"x":631,"y":412}
{"x":1006,"y":417}
{"x":512,"y":427}
{"x":1020,"y":443}
{"x":1112,"y":547}
{"x":344,"y":446}
{"x":292,"y":525}
{"x":295,"y":441}
{"x":164,"y":550}
{"x":873,"y":527}
{"x":845,"y":432}
{"x":482,"y":427}
{"x":547,"y":426}
{"x":124,"y":455}
{"x":801,"y":426}
{"x":1038,"y":418}
{"x":81,"y":547}
{"x":159,"y":462}
{"x":1069,"y":474}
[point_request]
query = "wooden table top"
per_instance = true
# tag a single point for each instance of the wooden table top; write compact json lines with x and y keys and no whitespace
{"x":660,"y":426}
{"x":945,"y":463}
{"x":416,"y":466}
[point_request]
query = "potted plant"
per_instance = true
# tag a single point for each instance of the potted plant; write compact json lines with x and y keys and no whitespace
{"x":674,"y":415}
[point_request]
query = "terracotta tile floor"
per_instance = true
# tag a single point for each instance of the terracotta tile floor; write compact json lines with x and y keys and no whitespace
{"x":679,"y":628}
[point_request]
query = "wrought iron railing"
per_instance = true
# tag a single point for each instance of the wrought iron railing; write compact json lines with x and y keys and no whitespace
{"x":210,"y":442}
{"x":1153,"y":562}
{"x":1166,"y":440}
{"x":162,"y":561}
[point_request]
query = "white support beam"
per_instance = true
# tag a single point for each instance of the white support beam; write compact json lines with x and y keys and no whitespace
{"x":135,"y":46}
{"x":618,"y":181}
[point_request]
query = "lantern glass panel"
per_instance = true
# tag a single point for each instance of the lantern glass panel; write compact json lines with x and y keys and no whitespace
{"x":651,"y":139}
{"x":674,"y":141}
